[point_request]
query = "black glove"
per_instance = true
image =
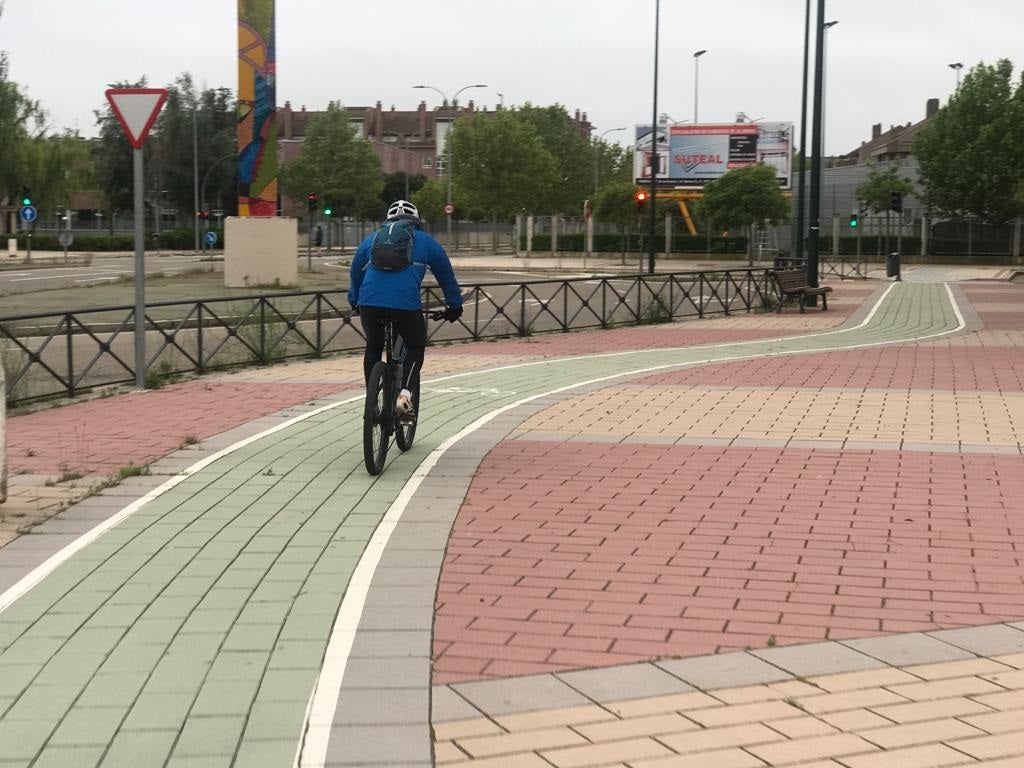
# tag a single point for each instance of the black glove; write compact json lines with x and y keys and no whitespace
{"x":355,"y":310}
{"x":451,"y":314}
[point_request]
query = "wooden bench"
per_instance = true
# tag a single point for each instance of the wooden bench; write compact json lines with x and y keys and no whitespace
{"x":793,"y":282}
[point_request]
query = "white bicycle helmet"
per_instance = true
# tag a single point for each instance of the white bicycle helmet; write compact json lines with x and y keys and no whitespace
{"x":402,"y":209}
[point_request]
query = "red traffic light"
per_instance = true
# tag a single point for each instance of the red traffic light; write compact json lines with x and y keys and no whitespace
{"x":641,"y":196}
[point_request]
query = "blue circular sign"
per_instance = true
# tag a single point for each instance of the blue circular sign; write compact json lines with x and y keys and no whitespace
{"x":211,"y":238}
{"x":28,"y":213}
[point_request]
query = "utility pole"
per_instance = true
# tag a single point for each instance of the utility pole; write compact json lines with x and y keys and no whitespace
{"x":814,"y":217}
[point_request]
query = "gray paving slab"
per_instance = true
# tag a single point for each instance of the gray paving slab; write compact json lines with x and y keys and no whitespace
{"x":367,"y":745}
{"x":816,"y":659}
{"x":909,"y":648}
{"x":991,"y":640}
{"x":631,"y":681}
{"x":446,"y":705}
{"x":375,"y":706}
{"x":520,"y":694}
{"x":725,"y":670}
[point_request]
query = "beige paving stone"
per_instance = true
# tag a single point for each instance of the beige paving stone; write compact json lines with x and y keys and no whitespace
{"x":651,"y":725}
{"x":788,"y":752}
{"x":930,"y":756}
{"x":676,"y":702}
{"x":718,"y":738}
{"x":721,"y":758}
{"x":944,"y":689}
{"x":927,"y":732}
{"x":749,"y":694}
{"x":1001,"y":745}
{"x":1006,"y":762}
{"x":599,"y":754}
{"x":855,"y":720}
{"x":1002,"y":701}
{"x":1015,"y":660}
{"x":446,"y":752}
{"x":932,"y":710}
{"x":948,"y":669}
{"x":464,"y":729}
{"x":800,"y":727}
{"x":1008,"y":679}
{"x":590,"y":713}
{"x":998,"y":722}
{"x":857,"y":699}
{"x":744,"y":713}
{"x":525,"y":741}
{"x":528,"y":760}
{"x":851,"y":681}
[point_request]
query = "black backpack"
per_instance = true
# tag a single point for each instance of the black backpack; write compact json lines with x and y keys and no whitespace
{"x":392,"y":246}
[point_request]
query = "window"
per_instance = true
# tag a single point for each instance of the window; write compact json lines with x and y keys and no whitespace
{"x":426,"y":162}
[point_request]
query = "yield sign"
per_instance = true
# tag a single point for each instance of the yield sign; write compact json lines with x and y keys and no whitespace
{"x":136,"y":109}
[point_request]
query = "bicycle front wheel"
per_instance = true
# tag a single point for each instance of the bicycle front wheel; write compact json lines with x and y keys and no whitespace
{"x":377,"y":419}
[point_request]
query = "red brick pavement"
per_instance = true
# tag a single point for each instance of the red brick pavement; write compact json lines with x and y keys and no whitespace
{"x":899,"y":368}
{"x":588,"y":554}
{"x":101,"y":436}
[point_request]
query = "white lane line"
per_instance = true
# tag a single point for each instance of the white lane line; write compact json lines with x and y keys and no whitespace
{"x":320,"y":711}
{"x":72,"y":274}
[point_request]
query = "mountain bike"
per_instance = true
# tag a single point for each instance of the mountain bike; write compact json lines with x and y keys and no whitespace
{"x":381,"y":419}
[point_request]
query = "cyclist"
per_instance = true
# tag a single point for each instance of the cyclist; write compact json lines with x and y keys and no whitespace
{"x":378,"y":295}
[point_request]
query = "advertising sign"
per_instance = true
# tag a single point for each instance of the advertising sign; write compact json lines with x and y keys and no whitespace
{"x":689,"y":156}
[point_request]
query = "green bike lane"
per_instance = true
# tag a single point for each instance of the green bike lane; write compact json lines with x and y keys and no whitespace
{"x":195,"y":630}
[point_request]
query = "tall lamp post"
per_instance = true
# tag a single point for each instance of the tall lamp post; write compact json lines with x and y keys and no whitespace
{"x":801,"y":199}
{"x":696,"y":80}
{"x":597,"y":154}
{"x":448,"y":147}
{"x":956,"y":66}
{"x":824,"y":83}
{"x":652,"y":203}
{"x":814,"y":213}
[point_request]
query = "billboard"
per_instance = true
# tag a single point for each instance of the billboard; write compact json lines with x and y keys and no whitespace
{"x":689,"y":156}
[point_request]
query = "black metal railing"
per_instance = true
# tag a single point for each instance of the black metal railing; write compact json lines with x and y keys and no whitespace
{"x":63,"y":354}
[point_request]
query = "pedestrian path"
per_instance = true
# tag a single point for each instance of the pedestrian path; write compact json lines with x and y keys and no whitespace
{"x":274,"y":604}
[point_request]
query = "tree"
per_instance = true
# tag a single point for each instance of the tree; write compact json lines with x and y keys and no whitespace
{"x":338,"y":165}
{"x":876,"y":191}
{"x":971,"y":153}
{"x":21,"y":120}
{"x":574,"y":157}
{"x":501,"y":164}
{"x":746,"y":196}
{"x":616,"y":204}
{"x":430,"y":200}
{"x":173,"y":155}
{"x":401,"y":186}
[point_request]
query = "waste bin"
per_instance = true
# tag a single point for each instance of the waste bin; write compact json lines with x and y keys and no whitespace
{"x":892,"y":265}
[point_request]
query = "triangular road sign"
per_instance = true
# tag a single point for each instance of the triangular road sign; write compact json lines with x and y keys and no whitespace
{"x":136,"y":109}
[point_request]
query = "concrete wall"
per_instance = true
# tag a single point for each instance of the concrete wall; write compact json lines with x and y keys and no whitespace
{"x":260,"y":252}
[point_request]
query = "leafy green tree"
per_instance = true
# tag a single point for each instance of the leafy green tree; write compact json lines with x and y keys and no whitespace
{"x":616,"y":204}
{"x":430,"y":200}
{"x":971,"y":153}
{"x":174,"y":155}
{"x":610,"y":164}
{"x":401,"y":186}
{"x":875,"y":192}
{"x":501,"y":164}
{"x":574,"y":157}
{"x":338,"y":165}
{"x":745,"y":197}
{"x":21,"y":119}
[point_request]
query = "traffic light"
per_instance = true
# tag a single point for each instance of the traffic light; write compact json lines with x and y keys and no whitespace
{"x":26,"y":196}
{"x":641,"y":197}
{"x":328,"y":211}
{"x":896,"y":201}
{"x":854,"y":220}
{"x":312,"y":202}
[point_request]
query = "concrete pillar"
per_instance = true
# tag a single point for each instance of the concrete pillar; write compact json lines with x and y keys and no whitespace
{"x":554,"y":234}
{"x":668,"y":233}
{"x":924,"y":235}
{"x":1018,"y":225}
{"x":529,"y":234}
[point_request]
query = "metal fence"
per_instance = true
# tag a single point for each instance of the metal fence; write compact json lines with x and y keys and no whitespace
{"x":63,"y":354}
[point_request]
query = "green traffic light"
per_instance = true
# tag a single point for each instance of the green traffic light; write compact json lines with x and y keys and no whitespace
{"x":327,"y":211}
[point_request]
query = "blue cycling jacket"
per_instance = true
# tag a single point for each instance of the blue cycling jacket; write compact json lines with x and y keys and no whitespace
{"x":401,"y":290}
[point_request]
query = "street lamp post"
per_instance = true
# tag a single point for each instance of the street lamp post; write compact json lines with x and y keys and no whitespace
{"x":696,"y":80}
{"x":814,"y":214}
{"x":597,"y":154}
{"x":652,"y":203}
{"x":798,"y":231}
{"x":824,"y":84}
{"x":448,"y":147}
{"x":956,"y":66}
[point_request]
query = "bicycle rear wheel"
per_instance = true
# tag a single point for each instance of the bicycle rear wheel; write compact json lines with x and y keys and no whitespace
{"x":377,"y":419}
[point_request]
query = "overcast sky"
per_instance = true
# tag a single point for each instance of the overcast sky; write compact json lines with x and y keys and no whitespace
{"x":885,"y":57}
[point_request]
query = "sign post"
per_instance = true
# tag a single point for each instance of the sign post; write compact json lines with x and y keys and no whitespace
{"x":136,"y":109}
